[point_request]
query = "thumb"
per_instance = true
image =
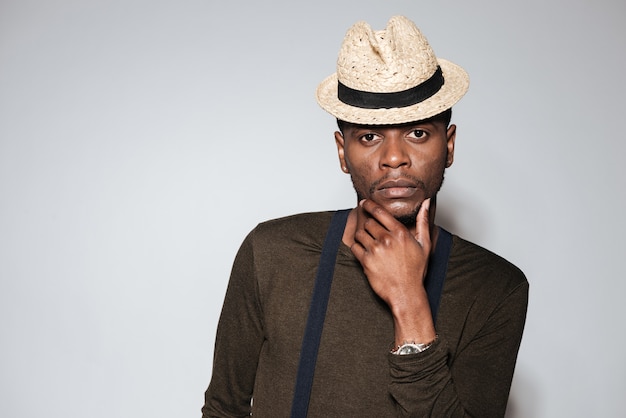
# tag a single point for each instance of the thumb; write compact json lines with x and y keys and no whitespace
{"x":422,"y":225}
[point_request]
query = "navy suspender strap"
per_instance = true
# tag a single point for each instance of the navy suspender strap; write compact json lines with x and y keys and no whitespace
{"x":437,"y":268}
{"x":317,"y":312}
{"x":433,"y":283}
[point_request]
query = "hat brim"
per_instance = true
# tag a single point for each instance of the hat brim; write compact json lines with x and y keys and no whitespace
{"x":456,"y":83}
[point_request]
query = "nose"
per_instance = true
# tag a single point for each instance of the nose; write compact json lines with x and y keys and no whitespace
{"x":394,"y":153}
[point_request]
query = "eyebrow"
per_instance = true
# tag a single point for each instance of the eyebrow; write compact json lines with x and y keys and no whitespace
{"x":404,"y":126}
{"x":399,"y":125}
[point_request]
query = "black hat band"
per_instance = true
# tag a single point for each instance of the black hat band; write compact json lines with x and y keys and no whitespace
{"x":369,"y":100}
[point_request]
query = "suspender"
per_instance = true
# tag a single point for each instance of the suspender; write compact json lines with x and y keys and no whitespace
{"x":433,"y":283}
{"x":317,"y":312}
{"x":436,"y":274}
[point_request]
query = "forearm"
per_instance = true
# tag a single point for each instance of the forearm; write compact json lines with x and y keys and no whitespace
{"x":472,"y":379}
{"x":422,"y":385}
{"x":413,"y":320}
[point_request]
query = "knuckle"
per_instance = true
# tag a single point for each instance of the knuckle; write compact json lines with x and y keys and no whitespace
{"x":403,"y":234}
{"x":377,"y":210}
{"x":386,"y":240}
{"x":373,"y":247}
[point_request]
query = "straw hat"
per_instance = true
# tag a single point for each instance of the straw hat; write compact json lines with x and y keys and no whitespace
{"x":390,"y":76}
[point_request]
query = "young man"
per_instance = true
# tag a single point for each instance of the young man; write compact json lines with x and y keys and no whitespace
{"x":392,"y":344}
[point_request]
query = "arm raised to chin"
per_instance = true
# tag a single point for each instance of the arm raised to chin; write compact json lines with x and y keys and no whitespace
{"x":395,"y":261}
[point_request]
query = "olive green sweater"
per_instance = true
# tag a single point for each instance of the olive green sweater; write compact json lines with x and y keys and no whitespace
{"x":467,"y":372}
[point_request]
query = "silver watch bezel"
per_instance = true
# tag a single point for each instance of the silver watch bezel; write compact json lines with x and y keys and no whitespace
{"x":411,"y":347}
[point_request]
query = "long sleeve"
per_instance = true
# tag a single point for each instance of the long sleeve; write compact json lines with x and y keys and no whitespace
{"x":238,"y":342}
{"x":476,"y":382}
{"x":467,"y":372}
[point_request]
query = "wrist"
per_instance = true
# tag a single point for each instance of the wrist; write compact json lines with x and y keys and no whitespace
{"x":412,"y":347}
{"x":416,"y":326}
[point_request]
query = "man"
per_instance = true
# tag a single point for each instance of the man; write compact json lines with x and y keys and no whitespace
{"x":385,"y":349}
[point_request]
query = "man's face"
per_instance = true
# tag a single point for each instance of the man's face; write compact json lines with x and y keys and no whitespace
{"x":397,"y":166}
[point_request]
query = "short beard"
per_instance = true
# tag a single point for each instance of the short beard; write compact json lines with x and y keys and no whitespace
{"x":409,"y":220}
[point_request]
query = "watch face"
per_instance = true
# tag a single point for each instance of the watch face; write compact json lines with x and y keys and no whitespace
{"x":408,"y":349}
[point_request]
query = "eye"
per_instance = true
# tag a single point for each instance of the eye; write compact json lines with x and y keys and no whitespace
{"x":418,"y":134}
{"x":369,"y":137}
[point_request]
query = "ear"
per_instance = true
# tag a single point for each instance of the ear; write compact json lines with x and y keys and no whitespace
{"x":340,"y":141}
{"x":451,"y":137}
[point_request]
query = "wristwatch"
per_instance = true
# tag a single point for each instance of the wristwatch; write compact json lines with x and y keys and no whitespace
{"x":411,"y":347}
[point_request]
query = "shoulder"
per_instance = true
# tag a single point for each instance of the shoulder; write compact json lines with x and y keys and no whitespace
{"x":281,"y":250}
{"x":484,"y":268}
{"x":303,"y":228}
{"x":297,"y":222}
{"x":310,"y":222}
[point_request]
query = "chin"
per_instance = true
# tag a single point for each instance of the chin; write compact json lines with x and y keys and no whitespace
{"x":407,"y":220}
{"x":405,"y":215}
{"x":402,"y":208}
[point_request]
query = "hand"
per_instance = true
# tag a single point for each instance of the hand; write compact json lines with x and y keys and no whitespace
{"x":395,"y":262}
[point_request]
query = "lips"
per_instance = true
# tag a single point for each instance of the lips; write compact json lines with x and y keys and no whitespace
{"x":389,"y":184}
{"x":397,"y":189}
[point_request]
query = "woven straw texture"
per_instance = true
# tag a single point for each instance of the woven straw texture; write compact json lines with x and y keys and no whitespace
{"x":387,"y":61}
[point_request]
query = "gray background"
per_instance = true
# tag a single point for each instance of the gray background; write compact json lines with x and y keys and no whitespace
{"x":141,"y":140}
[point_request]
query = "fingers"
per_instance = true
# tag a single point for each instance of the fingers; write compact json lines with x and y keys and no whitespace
{"x":379,"y":213}
{"x":422,"y":225}
{"x":367,"y":233}
{"x":394,"y":258}
{"x":358,"y":250}
{"x":367,"y":229}
{"x":377,"y":221}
